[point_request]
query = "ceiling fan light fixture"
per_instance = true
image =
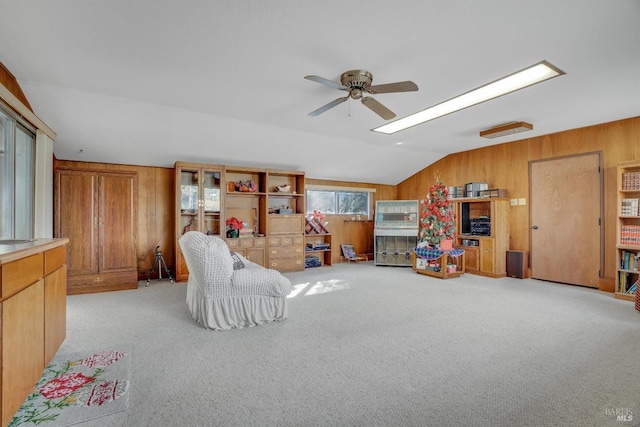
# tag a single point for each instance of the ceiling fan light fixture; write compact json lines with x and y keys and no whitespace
{"x":529,"y":76}
{"x":506,"y":129}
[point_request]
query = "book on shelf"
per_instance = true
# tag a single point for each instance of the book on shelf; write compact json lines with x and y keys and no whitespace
{"x":630,"y":235}
{"x":629,"y":207}
{"x":633,"y":287}
{"x":631,"y":181}
{"x":629,"y":260}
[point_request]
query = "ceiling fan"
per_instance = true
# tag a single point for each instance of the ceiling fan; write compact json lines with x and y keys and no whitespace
{"x":358,"y":84}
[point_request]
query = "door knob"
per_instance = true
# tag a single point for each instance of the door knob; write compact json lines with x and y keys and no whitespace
{"x":535,"y":227}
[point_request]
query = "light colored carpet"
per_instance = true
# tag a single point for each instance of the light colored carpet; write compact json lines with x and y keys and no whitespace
{"x":376,"y":346}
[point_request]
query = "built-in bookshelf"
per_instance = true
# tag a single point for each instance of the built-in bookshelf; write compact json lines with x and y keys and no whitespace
{"x":628,"y":230}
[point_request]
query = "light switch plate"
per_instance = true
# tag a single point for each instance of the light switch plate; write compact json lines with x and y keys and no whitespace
{"x":514,"y":202}
{"x":522,"y":202}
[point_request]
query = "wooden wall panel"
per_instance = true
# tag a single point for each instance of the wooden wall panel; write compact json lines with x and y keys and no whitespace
{"x":502,"y":166}
{"x":9,"y":81}
{"x":343,"y":230}
{"x":507,"y":166}
{"x":155,"y":211}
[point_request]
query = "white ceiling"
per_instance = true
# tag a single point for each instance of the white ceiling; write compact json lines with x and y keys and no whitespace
{"x":149,"y":82}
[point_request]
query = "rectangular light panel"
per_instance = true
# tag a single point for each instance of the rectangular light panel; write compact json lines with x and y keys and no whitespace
{"x":519,"y":80}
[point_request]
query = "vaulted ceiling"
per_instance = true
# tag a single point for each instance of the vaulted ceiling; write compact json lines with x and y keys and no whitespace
{"x":149,"y":82}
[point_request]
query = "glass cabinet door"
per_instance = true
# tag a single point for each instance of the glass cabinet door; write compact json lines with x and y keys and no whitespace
{"x":189,"y":197}
{"x":211,"y":202}
{"x":199,"y":200}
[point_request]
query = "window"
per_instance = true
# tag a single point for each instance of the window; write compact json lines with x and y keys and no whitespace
{"x":17,"y":183}
{"x":339,"y":201}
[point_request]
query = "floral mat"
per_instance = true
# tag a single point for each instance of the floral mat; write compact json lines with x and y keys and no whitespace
{"x":77,"y":388}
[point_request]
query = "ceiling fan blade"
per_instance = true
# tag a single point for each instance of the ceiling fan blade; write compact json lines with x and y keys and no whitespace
{"x":407,"y":86}
{"x":328,"y":106}
{"x":378,"y":108}
{"x":326,"y":82}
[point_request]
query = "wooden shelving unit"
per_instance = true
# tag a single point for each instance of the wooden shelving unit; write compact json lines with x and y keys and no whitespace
{"x":313,"y":239}
{"x":443,"y":263}
{"x":272,"y":212}
{"x":628,"y":229}
{"x":488,"y":256}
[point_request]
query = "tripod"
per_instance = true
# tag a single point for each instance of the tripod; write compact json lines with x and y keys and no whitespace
{"x":159,"y":262}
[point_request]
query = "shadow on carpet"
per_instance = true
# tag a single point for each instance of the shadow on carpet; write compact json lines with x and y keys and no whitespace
{"x":78,"y":387}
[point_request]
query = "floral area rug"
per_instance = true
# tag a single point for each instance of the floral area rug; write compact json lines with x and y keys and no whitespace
{"x":76,"y":388}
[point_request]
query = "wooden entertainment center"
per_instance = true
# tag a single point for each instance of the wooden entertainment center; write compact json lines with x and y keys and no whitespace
{"x":484,"y":254}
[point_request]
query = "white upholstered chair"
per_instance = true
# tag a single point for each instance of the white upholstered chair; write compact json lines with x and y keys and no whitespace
{"x":220,"y":296}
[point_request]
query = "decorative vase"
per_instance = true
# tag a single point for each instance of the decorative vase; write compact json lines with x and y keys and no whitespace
{"x":232,"y":233}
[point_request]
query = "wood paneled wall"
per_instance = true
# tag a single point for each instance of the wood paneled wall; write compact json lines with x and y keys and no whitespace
{"x":9,"y":81}
{"x":155,"y":211}
{"x":357,"y":233}
{"x":506,"y":166}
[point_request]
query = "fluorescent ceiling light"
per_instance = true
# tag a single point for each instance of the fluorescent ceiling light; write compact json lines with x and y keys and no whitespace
{"x":519,"y":80}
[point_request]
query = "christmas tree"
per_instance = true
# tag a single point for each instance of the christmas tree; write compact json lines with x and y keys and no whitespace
{"x":437,"y":220}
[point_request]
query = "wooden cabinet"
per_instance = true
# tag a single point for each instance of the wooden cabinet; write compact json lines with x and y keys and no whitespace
{"x":285,"y":220}
{"x":285,"y":242}
{"x":318,"y":245}
{"x":96,"y":211}
{"x":628,"y":229}
{"x":471,"y":258}
{"x":488,"y":257}
{"x":33,"y":314}
{"x":199,"y":204}
{"x":269,"y":204}
{"x":251,"y":248}
{"x":482,"y":227}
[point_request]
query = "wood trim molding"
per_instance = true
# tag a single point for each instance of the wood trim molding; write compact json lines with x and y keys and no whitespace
{"x":24,"y":112}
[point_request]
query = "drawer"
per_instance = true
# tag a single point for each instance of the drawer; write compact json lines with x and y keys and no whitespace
{"x":287,"y":264}
{"x":274,"y":241}
{"x":19,"y":274}
{"x":286,"y":241}
{"x":246,"y":242}
{"x":233,"y":243}
{"x":260,"y":242}
{"x":285,"y":252}
{"x":54,"y":259}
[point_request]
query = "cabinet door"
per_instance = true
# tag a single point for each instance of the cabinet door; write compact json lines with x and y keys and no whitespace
{"x":286,"y":224}
{"x":210,"y":201}
{"x":55,"y":312}
{"x":487,"y":255}
{"x":76,"y":217}
{"x":471,"y":258}
{"x":255,"y":255}
{"x":117,"y":220}
{"x":22,"y":347}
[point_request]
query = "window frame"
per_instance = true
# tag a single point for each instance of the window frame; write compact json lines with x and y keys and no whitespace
{"x":8,"y":231}
{"x":336,"y":190}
